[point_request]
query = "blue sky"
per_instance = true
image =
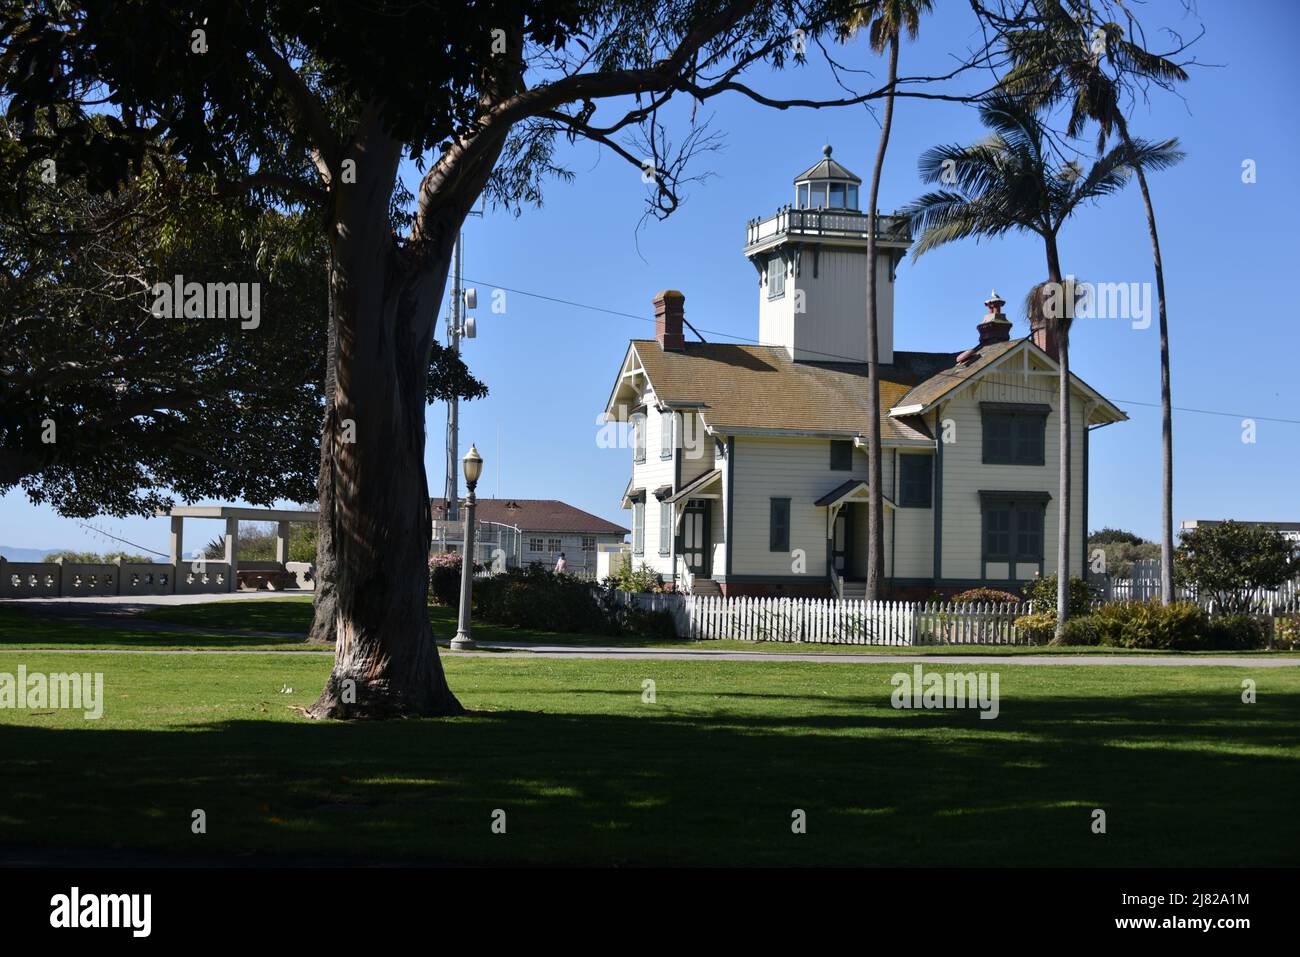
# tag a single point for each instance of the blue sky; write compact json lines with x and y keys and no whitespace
{"x":1228,"y":250}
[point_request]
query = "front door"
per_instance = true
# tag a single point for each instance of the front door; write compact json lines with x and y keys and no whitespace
{"x":842,"y":541}
{"x":695,"y":537}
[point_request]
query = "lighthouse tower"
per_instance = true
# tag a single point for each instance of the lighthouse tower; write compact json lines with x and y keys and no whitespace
{"x":811,"y":258}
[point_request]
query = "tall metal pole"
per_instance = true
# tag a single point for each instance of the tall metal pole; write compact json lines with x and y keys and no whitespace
{"x":452,"y":489}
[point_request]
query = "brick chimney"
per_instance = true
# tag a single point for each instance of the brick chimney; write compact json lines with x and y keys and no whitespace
{"x":994,"y":327}
{"x":670,"y":310}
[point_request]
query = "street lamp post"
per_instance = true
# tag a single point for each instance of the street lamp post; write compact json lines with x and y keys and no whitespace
{"x":473,"y":469}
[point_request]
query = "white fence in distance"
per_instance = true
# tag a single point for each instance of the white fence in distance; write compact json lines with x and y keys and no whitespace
{"x":830,"y":621}
{"x":1285,"y":599}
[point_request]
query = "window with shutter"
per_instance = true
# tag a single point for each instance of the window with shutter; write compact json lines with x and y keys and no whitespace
{"x":1014,"y":434}
{"x":667,"y":422}
{"x":841,"y":456}
{"x":915,"y":481}
{"x":779,"y":530}
{"x":638,"y":437}
{"x":776,"y":277}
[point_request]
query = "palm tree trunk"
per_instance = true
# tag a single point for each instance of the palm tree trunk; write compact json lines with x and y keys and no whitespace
{"x":875,"y":504}
{"x":1063,"y":403}
{"x":1166,"y":400}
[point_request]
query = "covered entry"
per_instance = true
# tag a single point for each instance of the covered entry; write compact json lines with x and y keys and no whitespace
{"x":693,"y":505}
{"x":846,"y":532}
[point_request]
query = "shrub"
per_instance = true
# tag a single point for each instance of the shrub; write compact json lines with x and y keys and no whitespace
{"x":1036,"y":629}
{"x":642,"y":580}
{"x":656,"y":625}
{"x":1042,"y":592}
{"x":1237,"y":633}
{"x":985,"y":594}
{"x":539,"y":599}
{"x":1286,"y":634}
{"x":1179,"y":626}
{"x":1084,"y":630}
{"x":444,"y":577}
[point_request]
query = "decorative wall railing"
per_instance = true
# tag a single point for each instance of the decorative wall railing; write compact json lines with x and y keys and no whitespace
{"x":62,"y":579}
{"x":828,"y":223}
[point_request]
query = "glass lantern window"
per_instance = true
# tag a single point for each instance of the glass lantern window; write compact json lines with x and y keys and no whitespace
{"x":837,"y":196}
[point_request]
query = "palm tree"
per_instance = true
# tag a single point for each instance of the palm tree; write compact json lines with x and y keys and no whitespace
{"x":1010,"y":182}
{"x":1062,"y":57}
{"x":885,"y":21}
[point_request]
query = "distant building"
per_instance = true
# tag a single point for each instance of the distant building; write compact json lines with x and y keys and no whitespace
{"x":1290,"y":530}
{"x":520,"y":531}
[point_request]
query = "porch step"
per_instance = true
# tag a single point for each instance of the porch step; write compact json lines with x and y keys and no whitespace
{"x":855,"y":591}
{"x":705,"y":586}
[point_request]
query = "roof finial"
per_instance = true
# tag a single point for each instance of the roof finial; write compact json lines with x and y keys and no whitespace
{"x":826,"y":151}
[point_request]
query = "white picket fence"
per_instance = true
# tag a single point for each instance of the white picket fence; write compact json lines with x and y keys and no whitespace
{"x":856,"y":622}
{"x":1284,"y":599}
{"x":848,"y":622}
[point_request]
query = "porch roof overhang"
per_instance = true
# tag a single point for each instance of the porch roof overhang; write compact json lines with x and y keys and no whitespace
{"x":699,"y":488}
{"x":632,"y":495}
{"x":854,"y":490}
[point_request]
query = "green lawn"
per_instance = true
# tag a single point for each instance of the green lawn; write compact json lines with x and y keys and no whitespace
{"x":708,"y":774}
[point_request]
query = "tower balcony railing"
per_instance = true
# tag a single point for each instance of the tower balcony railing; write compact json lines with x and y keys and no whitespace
{"x":826,"y":223}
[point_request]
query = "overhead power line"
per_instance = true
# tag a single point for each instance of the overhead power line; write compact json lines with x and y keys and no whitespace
{"x":833,"y":357}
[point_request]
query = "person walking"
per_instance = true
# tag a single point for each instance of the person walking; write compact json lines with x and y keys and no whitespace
{"x":561,"y":566}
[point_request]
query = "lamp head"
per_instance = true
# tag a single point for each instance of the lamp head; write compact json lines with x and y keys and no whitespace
{"x":473,"y":463}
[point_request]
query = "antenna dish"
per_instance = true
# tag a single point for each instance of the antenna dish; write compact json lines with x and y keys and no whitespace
{"x":470,"y":328}
{"x":471,"y":298}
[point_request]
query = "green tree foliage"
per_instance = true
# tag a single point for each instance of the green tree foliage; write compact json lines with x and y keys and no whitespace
{"x":97,"y":558}
{"x":1227,"y":562}
{"x":1121,"y":549}
{"x":108,"y":408}
{"x":257,"y":543}
{"x":1043,"y":591}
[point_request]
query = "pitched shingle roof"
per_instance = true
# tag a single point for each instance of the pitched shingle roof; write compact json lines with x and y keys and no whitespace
{"x":747,"y":388}
{"x":536,"y":514}
{"x":953,"y":375}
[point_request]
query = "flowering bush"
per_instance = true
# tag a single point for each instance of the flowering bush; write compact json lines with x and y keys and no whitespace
{"x":444,"y":577}
{"x":1288,"y":633}
{"x":985,"y":594}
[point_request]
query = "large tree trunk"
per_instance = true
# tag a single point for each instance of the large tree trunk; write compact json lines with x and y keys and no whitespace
{"x":324,"y":603}
{"x":876,"y":500}
{"x":376,"y":496}
{"x":1166,"y":399}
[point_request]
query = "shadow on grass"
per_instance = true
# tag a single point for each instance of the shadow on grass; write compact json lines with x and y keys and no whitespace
{"x":1184,"y":781}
